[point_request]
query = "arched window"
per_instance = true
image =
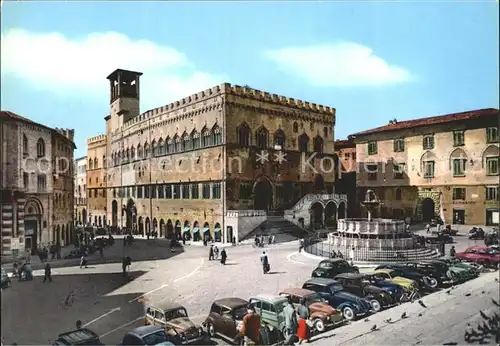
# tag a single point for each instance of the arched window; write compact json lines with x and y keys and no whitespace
{"x":243,"y":135}
{"x":206,"y":138}
{"x":132,"y":153}
{"x":399,"y":194}
{"x":318,"y":144}
{"x":25,"y":145}
{"x":261,"y":138}
{"x":127,"y":154}
{"x":279,"y":138}
{"x":295,"y":127}
{"x":325,"y":132}
{"x":91,"y":164}
{"x":40,"y":148}
{"x":154,"y":148}
{"x":146,"y":150}
{"x":217,"y":135}
{"x":187,"y":143}
{"x":113,"y":160}
{"x":161,"y":147}
{"x":139,"y":151}
{"x":96,"y":163}
{"x":177,"y":144}
{"x":196,"y":139}
{"x":170,"y":145}
{"x":303,"y":143}
{"x":104,"y":161}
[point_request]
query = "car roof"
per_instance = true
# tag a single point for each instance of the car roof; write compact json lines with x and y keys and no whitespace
{"x":321,"y":281}
{"x":332,"y":260}
{"x":268,"y":297}
{"x":74,"y":337}
{"x":298,"y":292}
{"x":231,"y":302}
{"x":165,"y":305}
{"x":349,"y":276}
{"x":146,"y":330}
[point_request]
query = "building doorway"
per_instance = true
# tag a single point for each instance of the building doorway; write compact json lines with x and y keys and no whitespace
{"x":458,"y":217}
{"x":114,"y":213}
{"x":428,"y":210}
{"x":263,"y":195}
{"x":492,"y":217}
{"x":131,"y":215}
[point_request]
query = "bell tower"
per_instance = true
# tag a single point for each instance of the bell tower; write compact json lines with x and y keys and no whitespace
{"x":124,"y":97}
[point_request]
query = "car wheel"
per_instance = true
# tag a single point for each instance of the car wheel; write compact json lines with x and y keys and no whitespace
{"x":319,"y":325}
{"x":210,"y":330}
{"x":349,"y":314}
{"x":415,"y":295}
{"x":430,"y":282}
{"x":376,"y":306}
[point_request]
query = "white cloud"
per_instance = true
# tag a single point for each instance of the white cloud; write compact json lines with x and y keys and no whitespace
{"x":51,"y":61}
{"x":339,"y":65}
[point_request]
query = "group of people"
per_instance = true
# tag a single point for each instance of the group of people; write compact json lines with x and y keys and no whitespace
{"x":259,"y":241}
{"x":213,"y":254}
{"x":296,"y":325}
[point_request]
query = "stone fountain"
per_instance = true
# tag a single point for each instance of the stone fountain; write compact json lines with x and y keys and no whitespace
{"x":370,"y":203}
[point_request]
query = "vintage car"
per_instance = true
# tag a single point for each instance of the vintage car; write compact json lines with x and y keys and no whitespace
{"x":225,"y":320}
{"x":82,"y":336}
{"x":5,"y":279}
{"x":321,"y":313}
{"x":270,"y":308}
{"x":357,"y":285}
{"x":481,"y":255}
{"x":146,"y":335}
{"x":437,"y":270}
{"x":395,"y":290}
{"x":473,"y":268}
{"x":425,"y":282}
{"x":330,"y":267}
{"x":352,"y":306}
{"x":395,"y":277}
{"x":457,"y":270}
{"x":174,"y":318}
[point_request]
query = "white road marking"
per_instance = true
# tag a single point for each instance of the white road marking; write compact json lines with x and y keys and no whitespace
{"x":122,"y":326}
{"x":145,"y":294}
{"x":289,"y":258}
{"x":102,"y":316}
{"x":192,"y":273}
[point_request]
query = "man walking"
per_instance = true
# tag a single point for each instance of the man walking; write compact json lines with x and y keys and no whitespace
{"x":290,"y":322}
{"x":48,"y":273}
{"x":264,"y":260}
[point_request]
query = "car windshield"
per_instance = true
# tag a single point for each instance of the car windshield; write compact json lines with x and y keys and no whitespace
{"x":335,"y":288}
{"x":325,"y":265}
{"x":280,"y":305}
{"x":240,"y":312}
{"x":370,"y":279}
{"x":177,"y":313}
{"x":155,"y":338}
{"x":315,"y":298}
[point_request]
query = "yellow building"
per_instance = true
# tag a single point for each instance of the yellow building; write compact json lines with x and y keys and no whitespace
{"x":445,"y":166}
{"x":193,"y":165}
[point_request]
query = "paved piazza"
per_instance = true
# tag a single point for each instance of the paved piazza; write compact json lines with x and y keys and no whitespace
{"x":34,"y":313}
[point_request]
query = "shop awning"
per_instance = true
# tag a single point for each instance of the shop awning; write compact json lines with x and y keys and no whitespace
{"x":217,"y":230}
{"x":196,"y":229}
{"x":206,"y":229}
{"x":187,"y":229}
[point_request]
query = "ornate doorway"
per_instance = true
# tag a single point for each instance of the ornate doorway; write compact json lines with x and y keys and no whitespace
{"x":263,"y":195}
{"x":427,"y":209}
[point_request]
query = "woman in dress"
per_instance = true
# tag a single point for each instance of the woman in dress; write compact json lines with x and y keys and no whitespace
{"x":303,"y":329}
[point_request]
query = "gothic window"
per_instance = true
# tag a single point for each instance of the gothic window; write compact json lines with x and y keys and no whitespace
{"x":40,"y":148}
{"x":170,"y":145}
{"x":177,"y":144}
{"x":196,"y":139}
{"x":206,"y":138}
{"x":154,"y":148}
{"x":295,"y":127}
{"x":318,"y":144}
{"x":279,"y":138}
{"x":303,"y":143}
{"x":161,"y":147}
{"x":104,"y":161}
{"x":187,"y":142}
{"x":25,"y":145}
{"x":96,"y":164}
{"x":139,"y":151}
{"x":91,"y":164}
{"x":132,"y":153}
{"x":325,"y":132}
{"x":146,"y":150}
{"x":261,"y":138}
{"x":217,"y":135}
{"x":243,"y":135}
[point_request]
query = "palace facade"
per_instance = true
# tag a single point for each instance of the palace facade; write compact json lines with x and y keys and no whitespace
{"x":345,"y":182}
{"x":212,"y":163}
{"x":37,"y":192}
{"x":80,"y":173}
{"x":445,"y":166}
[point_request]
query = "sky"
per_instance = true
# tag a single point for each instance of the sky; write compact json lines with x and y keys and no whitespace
{"x":372,"y":61}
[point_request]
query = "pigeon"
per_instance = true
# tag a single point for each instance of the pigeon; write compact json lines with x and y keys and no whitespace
{"x":468,"y":294}
{"x":374,"y":328}
{"x":483,"y":315}
{"x":422,"y":304}
{"x":449,"y":291}
{"x":388,"y":320}
{"x":366,"y":319}
{"x":482,"y":292}
{"x":419,"y":315}
{"x":495,"y":302}
{"x":403,"y":315}
{"x":496,"y":279}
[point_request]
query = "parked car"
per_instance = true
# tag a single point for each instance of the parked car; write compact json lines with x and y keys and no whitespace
{"x":330,"y":267}
{"x":492,"y":238}
{"x":424,"y":281}
{"x":395,"y":290}
{"x":471,"y":270}
{"x":437,"y":270}
{"x":146,"y":335}
{"x":352,"y":306}
{"x":439,"y":237}
{"x":476,"y":233}
{"x":270,"y":308}
{"x":359,"y":286}
{"x":321,"y":313}
{"x":481,"y":255}
{"x":174,"y":319}
{"x":82,"y":336}
{"x":394,"y":276}
{"x":449,"y":231}
{"x":5,"y":279}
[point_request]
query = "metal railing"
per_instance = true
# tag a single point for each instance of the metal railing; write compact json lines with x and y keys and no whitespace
{"x":318,"y":246}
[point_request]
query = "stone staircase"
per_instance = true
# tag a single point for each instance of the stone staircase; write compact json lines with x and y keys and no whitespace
{"x":281,"y":228}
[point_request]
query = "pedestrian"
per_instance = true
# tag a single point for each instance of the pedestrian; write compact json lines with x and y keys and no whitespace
{"x":453,"y":252}
{"x":124,"y":267}
{"x":216,"y":253}
{"x":48,"y":273}
{"x":303,"y":327}
{"x":301,"y":245}
{"x":223,"y":256}
{"x":264,"y":260}
{"x":351,"y":255}
{"x":78,"y":324}
{"x":83,"y":261}
{"x":428,"y":228}
{"x":290,"y":322}
{"x":211,"y":253}
{"x":250,"y":327}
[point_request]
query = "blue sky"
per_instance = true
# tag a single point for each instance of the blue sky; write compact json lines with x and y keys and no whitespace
{"x":371,"y":61}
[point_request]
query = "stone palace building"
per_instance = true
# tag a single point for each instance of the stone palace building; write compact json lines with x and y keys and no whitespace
{"x":445,"y":166}
{"x":36,"y":184}
{"x":80,"y":204}
{"x":217,"y":162}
